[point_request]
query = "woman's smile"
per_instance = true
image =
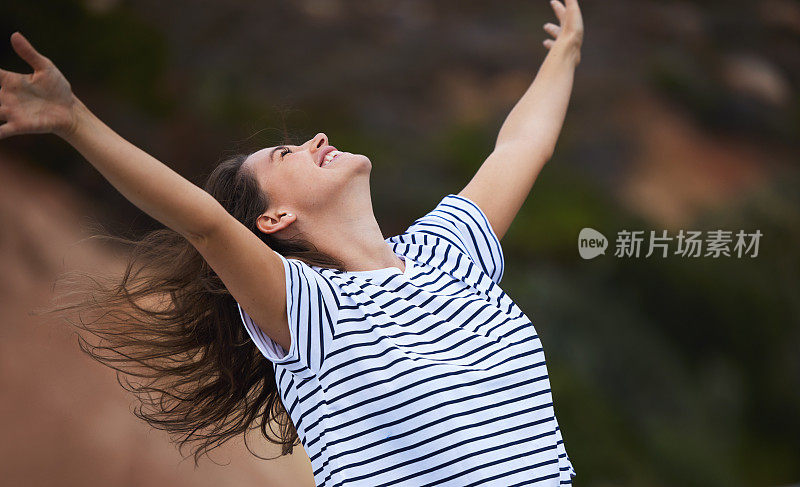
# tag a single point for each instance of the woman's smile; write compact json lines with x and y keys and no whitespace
{"x":330,"y":156}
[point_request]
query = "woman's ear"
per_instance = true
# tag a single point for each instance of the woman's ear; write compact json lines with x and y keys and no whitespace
{"x":272,"y":223}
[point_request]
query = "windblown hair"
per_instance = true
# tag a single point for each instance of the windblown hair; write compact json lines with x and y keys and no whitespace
{"x":172,"y":331}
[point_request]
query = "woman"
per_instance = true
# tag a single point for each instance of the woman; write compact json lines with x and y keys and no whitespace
{"x":395,"y":361}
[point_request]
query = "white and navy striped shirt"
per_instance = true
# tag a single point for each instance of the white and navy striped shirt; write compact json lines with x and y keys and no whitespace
{"x":428,"y":376}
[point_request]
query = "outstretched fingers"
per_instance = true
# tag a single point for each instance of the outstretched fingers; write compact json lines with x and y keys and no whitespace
{"x":553,"y":30}
{"x":27,"y":52}
{"x":559,"y":9}
{"x":7,"y":77}
{"x":7,"y":130}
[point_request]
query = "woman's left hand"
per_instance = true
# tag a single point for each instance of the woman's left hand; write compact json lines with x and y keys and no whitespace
{"x":36,"y":103}
{"x":571,"y":29}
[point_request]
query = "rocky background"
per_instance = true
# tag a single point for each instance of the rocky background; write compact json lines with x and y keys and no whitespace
{"x":685,"y":115}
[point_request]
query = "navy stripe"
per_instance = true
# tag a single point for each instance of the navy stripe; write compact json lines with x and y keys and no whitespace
{"x":469,"y":455}
{"x":504,"y":473}
{"x":490,"y":234}
{"x":452,"y":416}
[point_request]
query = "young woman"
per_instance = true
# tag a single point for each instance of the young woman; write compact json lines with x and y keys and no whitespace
{"x":394,"y":361}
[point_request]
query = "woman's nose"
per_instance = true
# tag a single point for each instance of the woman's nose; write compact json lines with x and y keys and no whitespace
{"x":319,"y":140}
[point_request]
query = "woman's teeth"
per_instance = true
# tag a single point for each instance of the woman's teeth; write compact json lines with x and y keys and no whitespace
{"x":329,"y":157}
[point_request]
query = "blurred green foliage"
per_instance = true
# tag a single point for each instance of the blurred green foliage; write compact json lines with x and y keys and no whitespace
{"x":115,"y":51}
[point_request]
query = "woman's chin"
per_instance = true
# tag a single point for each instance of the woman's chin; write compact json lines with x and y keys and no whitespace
{"x":363,"y":161}
{"x":356,"y":162}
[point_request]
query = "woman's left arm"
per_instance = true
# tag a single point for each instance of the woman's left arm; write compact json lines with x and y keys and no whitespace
{"x":528,"y":136}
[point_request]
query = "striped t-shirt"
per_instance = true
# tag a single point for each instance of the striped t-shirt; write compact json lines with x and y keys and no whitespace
{"x":428,"y":376}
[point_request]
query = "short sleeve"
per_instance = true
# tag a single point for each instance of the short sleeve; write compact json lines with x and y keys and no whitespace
{"x":461,"y":223}
{"x":312,"y":307}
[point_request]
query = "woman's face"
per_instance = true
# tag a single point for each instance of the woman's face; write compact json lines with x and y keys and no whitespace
{"x":302,"y":180}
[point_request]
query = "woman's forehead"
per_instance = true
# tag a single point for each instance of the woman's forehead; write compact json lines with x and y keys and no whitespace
{"x":259,"y":158}
{"x":265,"y":156}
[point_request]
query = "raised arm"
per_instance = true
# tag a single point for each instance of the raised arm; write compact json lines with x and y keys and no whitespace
{"x":43,"y":102}
{"x":528,"y":136}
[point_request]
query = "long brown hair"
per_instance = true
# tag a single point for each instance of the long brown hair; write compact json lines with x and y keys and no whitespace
{"x":171,"y":330}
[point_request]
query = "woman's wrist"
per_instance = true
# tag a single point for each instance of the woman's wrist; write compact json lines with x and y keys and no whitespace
{"x":77,"y":115}
{"x":569,"y":47}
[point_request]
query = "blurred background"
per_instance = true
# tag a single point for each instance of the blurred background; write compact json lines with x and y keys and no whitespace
{"x":685,"y":115}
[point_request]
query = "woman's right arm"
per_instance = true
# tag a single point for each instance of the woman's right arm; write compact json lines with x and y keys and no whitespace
{"x":43,"y":102}
{"x":143,"y":180}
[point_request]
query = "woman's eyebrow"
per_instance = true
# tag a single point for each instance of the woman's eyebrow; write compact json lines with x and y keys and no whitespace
{"x":272,"y":153}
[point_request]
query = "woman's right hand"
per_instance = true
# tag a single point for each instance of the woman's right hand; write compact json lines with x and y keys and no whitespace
{"x":36,"y":103}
